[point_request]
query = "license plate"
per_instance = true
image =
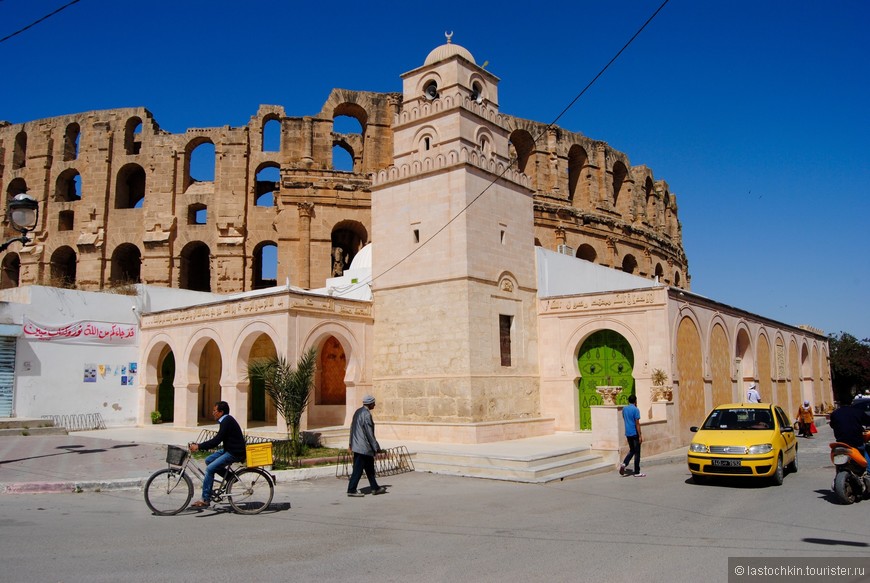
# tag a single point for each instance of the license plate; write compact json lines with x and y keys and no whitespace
{"x":727,"y":463}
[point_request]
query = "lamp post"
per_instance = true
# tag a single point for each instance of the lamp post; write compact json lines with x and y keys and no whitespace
{"x":23,"y":213}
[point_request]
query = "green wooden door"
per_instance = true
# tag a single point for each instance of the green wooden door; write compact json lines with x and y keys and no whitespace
{"x":605,"y":358}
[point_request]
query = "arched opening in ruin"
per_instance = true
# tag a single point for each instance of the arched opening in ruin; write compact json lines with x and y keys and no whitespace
{"x":63,"y":267}
{"x":577,"y":159}
{"x":522,"y":149}
{"x":166,"y":385}
{"x":197,"y":214}
{"x":130,"y":188}
{"x":68,"y":186}
{"x":19,"y":151}
{"x":271,"y":134}
{"x":10,"y":271}
{"x":342,"y":156}
{"x":660,"y":273}
{"x":349,"y":122}
{"x":677,"y":279}
{"x":126,"y":265}
{"x":200,"y":162}
{"x":265,"y":265}
{"x":348,"y":237}
{"x":195,"y":267}
{"x":620,"y":172}
{"x":71,"y":139}
{"x":210,"y":365}
{"x":267,"y":183}
{"x":629,"y":264}
{"x":16,"y":186}
{"x":587,"y":253}
{"x":133,"y":136}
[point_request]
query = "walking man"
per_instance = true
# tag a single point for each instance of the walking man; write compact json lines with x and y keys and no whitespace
{"x":631,"y":417}
{"x":752,"y":395}
{"x":364,"y":447}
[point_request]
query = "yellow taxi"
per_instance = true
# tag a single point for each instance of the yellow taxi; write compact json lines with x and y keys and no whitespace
{"x":744,"y":440}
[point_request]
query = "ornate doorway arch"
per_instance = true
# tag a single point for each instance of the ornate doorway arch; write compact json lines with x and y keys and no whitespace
{"x":605,"y":358}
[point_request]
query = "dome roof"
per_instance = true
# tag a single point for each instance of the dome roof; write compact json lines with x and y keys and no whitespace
{"x":448,"y":50}
{"x":363,"y":259}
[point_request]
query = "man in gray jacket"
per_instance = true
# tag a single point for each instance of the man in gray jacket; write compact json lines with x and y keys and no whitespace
{"x":364,"y":447}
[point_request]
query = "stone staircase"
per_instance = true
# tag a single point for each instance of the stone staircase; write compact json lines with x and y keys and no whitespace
{"x":531,"y":468}
{"x":17,"y":426}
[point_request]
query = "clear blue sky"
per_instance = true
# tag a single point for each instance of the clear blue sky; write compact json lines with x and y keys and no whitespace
{"x":754,"y":112}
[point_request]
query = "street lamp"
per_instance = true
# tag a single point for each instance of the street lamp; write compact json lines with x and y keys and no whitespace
{"x":23,"y":213}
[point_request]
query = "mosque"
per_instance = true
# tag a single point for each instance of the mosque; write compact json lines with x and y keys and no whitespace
{"x":485,"y":277}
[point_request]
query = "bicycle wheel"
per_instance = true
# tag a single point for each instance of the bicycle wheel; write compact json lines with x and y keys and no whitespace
{"x":251,"y":492}
{"x":168,"y":492}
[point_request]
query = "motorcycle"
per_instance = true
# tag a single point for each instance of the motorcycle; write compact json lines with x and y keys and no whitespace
{"x":852,"y":482}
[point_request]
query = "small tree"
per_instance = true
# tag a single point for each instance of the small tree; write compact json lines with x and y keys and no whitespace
{"x":290,"y":389}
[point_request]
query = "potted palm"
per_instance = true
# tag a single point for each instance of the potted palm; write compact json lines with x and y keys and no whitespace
{"x":661,"y":391}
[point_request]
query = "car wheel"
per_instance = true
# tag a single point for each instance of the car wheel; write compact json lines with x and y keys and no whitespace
{"x":779,"y":473}
{"x":793,"y":466}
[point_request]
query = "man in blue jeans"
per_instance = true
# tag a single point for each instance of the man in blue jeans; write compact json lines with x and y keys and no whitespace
{"x":230,"y":434}
{"x":631,"y":417}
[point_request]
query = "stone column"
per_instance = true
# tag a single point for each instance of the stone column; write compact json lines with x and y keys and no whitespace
{"x":236,"y":396}
{"x":147,"y":403}
{"x":307,"y":141}
{"x":306,"y":212}
{"x":186,"y":403}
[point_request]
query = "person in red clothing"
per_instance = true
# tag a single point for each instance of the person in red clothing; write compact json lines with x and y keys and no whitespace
{"x":230,"y":435}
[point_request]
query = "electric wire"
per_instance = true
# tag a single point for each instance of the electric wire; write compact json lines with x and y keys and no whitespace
{"x":32,"y":24}
{"x":354,"y":287}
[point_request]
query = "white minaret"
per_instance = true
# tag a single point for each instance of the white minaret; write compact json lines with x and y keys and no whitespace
{"x":455,"y":355}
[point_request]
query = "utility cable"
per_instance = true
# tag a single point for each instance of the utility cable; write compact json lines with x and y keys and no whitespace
{"x":32,"y":24}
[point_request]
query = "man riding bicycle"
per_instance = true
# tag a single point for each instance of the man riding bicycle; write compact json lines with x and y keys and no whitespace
{"x":230,"y":434}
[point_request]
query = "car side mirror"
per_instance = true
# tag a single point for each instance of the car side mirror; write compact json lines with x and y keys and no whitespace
{"x":788,"y":429}
{"x":693,"y":429}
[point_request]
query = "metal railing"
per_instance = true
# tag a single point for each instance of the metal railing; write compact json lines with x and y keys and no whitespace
{"x":396,"y":460}
{"x":79,"y":422}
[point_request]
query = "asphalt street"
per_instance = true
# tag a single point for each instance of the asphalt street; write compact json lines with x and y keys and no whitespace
{"x":439,"y":528}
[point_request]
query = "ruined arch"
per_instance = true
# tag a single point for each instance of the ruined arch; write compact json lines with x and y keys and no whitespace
{"x":577,"y":159}
{"x":267,"y":183}
{"x":133,"y":136}
{"x":523,"y":145}
{"x":587,"y":252}
{"x":126,"y":265}
{"x":264,"y":264}
{"x":19,"y":151}
{"x":620,"y":174}
{"x":10,"y":271}
{"x":71,"y":137}
{"x":629,"y":264}
{"x":348,"y":237}
{"x":63,"y":267}
{"x":270,"y":138}
{"x":68,"y":187}
{"x":130,"y":187}
{"x":195,"y":267}
{"x":200,"y":161}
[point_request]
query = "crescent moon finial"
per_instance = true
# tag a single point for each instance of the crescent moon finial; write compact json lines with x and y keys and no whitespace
{"x":449,"y":36}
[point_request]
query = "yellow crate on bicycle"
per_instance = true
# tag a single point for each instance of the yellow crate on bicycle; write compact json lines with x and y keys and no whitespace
{"x":259,"y":454}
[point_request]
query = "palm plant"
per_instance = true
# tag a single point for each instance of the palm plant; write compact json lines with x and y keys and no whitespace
{"x":290,"y":389}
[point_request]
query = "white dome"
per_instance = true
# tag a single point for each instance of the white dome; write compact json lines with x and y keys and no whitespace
{"x":363,"y":259}
{"x":448,"y":50}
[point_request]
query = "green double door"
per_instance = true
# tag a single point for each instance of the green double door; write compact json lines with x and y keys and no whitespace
{"x":605,"y":359}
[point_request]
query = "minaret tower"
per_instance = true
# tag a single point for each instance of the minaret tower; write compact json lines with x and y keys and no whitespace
{"x":455,"y":337}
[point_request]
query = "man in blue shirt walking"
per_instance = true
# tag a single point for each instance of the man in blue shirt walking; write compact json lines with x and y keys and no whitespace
{"x":631,"y":417}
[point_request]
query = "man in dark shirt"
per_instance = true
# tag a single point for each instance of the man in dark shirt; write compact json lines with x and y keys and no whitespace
{"x":848,"y":425}
{"x":230,"y":434}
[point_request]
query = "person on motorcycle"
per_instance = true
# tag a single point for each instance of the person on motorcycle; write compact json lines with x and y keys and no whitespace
{"x":848,"y":425}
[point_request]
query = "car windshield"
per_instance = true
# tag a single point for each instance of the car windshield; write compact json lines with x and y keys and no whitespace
{"x":739,"y":418}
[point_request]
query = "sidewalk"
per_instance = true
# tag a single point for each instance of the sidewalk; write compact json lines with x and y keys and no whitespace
{"x":124,"y":457}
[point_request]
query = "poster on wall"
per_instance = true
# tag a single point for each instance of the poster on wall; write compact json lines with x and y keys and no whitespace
{"x":90,"y":375}
{"x":82,"y":332}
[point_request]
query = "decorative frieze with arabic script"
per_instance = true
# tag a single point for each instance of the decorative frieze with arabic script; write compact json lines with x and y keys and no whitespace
{"x":258,"y":306}
{"x":609,"y":301}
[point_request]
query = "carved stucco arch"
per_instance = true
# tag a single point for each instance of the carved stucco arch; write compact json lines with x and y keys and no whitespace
{"x":241,"y":349}
{"x":574,"y":342}
{"x":708,"y":335}
{"x":152,"y":353}
{"x":687,"y":311}
{"x":748,"y":356}
{"x":352,"y":348}
{"x":188,"y":365}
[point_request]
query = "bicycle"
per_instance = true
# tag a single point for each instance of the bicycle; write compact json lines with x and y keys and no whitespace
{"x":249,"y":490}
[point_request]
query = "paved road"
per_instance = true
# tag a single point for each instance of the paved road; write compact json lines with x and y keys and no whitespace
{"x":439,"y":528}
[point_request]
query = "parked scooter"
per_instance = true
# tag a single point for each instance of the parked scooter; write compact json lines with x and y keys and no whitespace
{"x":852,"y":482}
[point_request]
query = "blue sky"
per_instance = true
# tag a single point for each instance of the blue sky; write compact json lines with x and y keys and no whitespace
{"x":754,"y":112}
